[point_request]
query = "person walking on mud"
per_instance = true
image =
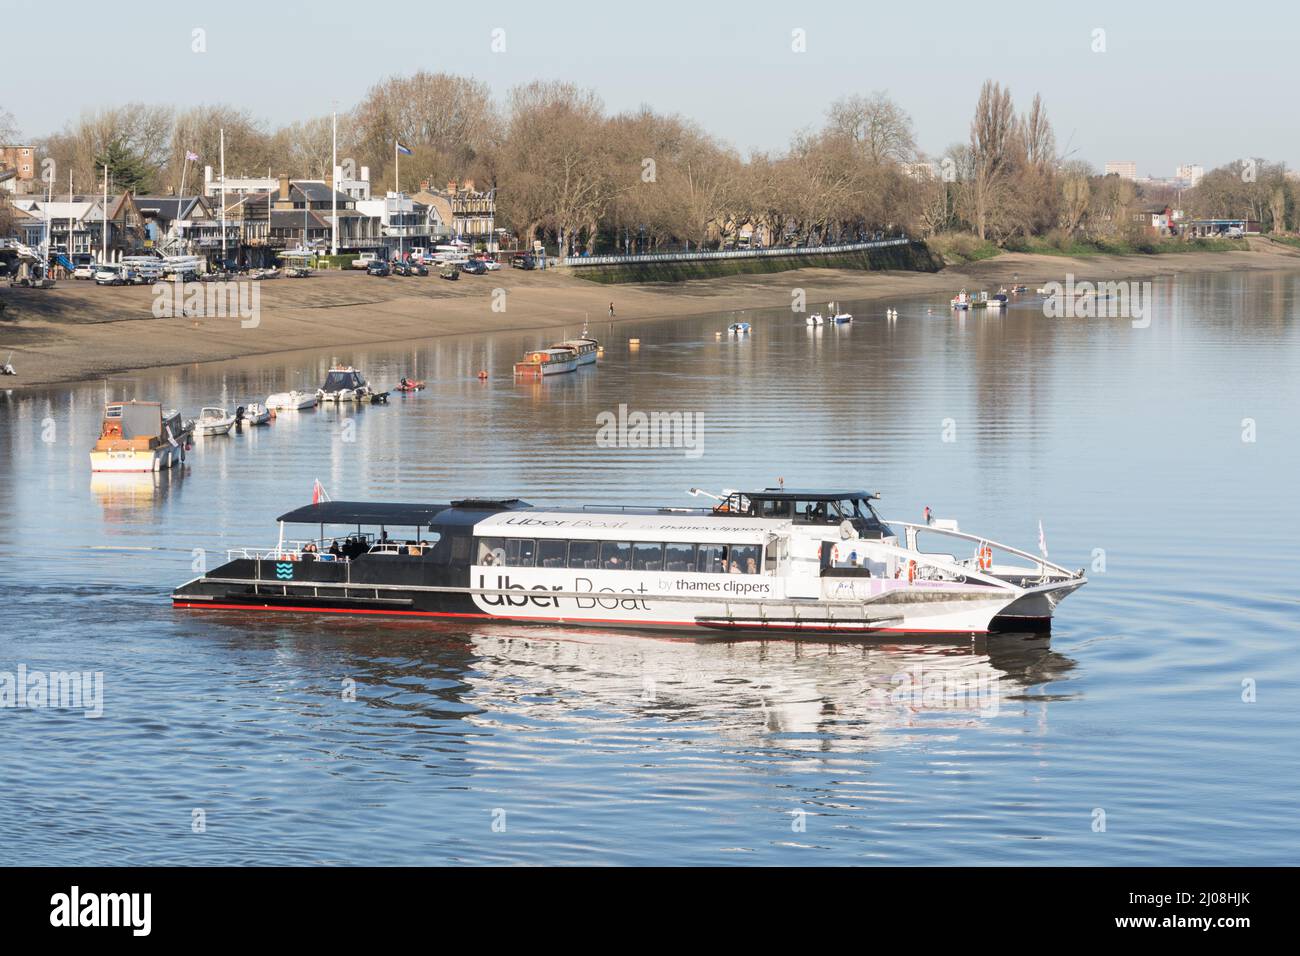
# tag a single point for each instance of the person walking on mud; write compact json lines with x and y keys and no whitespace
{"x":611,"y":310}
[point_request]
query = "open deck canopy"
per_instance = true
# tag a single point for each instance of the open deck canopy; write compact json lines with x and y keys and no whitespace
{"x":394,"y":513}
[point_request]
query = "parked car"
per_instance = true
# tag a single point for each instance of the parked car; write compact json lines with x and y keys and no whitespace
{"x":363,"y":260}
{"x":400,"y":268}
{"x":85,"y":270}
{"x":378,"y":267}
{"x":474,"y":267}
{"x":524,"y":262}
{"x":449,"y":272}
{"x":492,"y":265}
{"x":109,"y":275}
{"x":418,"y":269}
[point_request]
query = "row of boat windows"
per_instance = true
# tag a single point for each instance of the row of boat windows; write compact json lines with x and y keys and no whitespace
{"x":620,"y":555}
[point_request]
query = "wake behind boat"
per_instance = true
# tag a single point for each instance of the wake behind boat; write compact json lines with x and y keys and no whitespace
{"x":775,"y":560}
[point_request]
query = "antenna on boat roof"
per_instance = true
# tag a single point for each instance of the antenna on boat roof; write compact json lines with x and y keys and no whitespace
{"x":780,"y":481}
{"x":696,"y":492}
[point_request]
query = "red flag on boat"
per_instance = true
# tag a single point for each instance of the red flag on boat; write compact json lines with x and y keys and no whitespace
{"x":316,"y":492}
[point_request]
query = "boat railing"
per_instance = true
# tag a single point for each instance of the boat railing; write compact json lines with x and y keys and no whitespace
{"x":1042,"y":563}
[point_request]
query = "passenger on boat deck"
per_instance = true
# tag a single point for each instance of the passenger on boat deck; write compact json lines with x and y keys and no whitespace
{"x":735,"y":567}
{"x":751,"y":567}
{"x":309,"y":551}
{"x":334,"y":548}
{"x":487,"y":560}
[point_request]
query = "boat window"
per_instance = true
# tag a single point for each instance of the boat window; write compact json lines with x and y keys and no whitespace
{"x":775,"y":509}
{"x":491,"y":551}
{"x":552,"y":553}
{"x":812,"y":511}
{"x":711,"y":558}
{"x":743,"y":559}
{"x":679,"y":557}
{"x":460,"y":547}
{"x":519,"y":552}
{"x":582,"y":554}
{"x":615,"y":555}
{"x":647,"y":557}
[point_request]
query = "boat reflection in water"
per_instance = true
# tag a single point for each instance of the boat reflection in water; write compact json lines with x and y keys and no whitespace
{"x":827,"y":695}
{"x":123,"y":495}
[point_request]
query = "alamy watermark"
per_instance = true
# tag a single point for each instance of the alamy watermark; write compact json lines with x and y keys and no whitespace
{"x":63,"y":690}
{"x":1098,"y":300}
{"x":209,"y":300}
{"x":637,"y":429}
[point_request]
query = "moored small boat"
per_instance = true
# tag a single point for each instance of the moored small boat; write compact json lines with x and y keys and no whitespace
{"x":140,"y":436}
{"x":291,"y":401}
{"x":586,"y":347}
{"x":815,"y":319}
{"x":961,"y":301}
{"x":408,"y":385}
{"x":543,"y":362}
{"x":343,"y":383}
{"x":214,"y":420}
{"x":739,"y":328}
{"x":254,"y":413}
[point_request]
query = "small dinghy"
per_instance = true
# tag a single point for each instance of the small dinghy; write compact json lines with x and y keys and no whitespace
{"x":815,"y":319}
{"x":738,"y":328}
{"x":8,"y":367}
{"x":255,"y":413}
{"x":407,"y":385}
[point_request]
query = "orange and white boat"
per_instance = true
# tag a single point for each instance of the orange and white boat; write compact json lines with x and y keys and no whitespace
{"x":542,"y":362}
{"x":140,"y":436}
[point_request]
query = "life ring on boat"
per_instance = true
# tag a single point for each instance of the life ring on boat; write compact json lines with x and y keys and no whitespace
{"x":985,"y":557}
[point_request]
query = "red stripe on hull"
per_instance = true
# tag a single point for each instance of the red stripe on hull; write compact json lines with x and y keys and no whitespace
{"x":303,"y":609}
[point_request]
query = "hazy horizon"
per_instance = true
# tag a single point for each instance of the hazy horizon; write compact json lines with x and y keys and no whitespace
{"x":731,"y":71}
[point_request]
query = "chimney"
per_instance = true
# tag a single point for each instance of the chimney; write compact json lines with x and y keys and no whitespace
{"x":365,"y":174}
{"x":284,"y":189}
{"x":207,"y":176}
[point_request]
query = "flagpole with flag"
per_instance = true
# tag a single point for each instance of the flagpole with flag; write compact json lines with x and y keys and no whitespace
{"x":1042,"y":540}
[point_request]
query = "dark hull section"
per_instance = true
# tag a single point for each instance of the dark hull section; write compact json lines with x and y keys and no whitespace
{"x":372,"y":584}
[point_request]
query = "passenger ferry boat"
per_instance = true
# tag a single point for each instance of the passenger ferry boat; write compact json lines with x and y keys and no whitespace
{"x":553,"y":361}
{"x":140,"y":436}
{"x":769,"y":561}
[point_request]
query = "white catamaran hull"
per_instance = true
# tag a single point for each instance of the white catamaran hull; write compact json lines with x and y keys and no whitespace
{"x":732,"y":602}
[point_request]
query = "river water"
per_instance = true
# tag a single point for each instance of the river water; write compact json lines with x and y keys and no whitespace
{"x":1156,"y":725}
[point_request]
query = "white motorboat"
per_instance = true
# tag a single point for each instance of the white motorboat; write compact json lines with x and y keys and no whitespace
{"x":255,"y":413}
{"x":815,"y":319}
{"x":739,"y":328}
{"x":586,"y":348}
{"x":291,"y":401}
{"x":961,"y":301}
{"x":342,"y":384}
{"x":214,"y":420}
{"x":838,"y":317}
{"x":769,"y":561}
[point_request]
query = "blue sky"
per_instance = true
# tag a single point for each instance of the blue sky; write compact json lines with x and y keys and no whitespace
{"x":1191,"y":82}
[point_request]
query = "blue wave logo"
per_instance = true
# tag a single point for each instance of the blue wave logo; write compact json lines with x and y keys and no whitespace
{"x":284,"y":570}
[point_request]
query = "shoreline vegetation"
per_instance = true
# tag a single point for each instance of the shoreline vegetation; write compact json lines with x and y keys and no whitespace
{"x":79,"y":332}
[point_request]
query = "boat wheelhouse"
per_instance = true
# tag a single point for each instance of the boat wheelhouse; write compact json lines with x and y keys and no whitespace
{"x":542,"y":362}
{"x":769,"y":561}
{"x":140,"y":436}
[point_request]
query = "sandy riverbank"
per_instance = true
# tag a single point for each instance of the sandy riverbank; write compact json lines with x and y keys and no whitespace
{"x":79,"y":331}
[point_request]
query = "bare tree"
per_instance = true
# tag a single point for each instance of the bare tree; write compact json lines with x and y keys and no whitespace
{"x":876,"y":124}
{"x":993,"y":143}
